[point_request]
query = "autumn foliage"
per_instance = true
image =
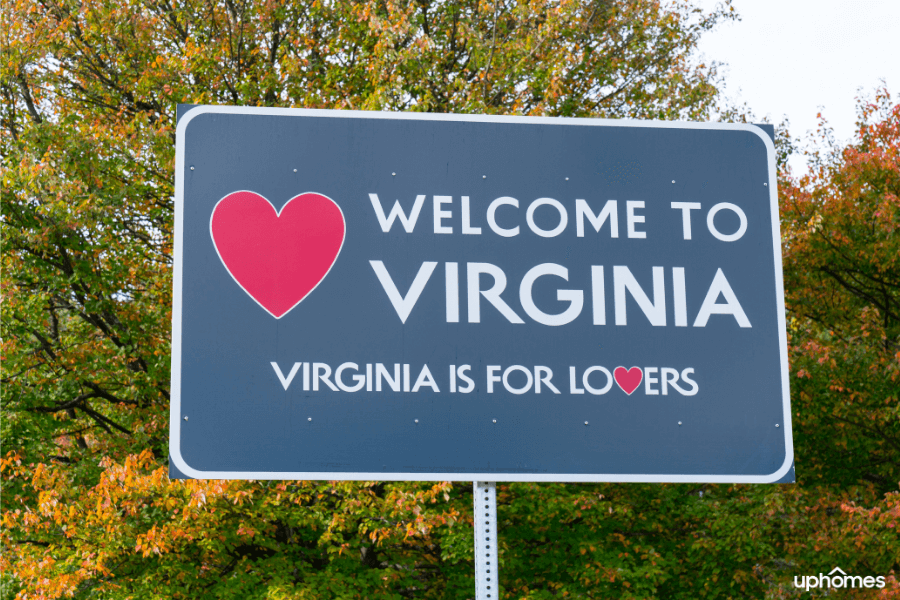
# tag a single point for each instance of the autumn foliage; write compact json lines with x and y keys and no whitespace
{"x":89,"y":93}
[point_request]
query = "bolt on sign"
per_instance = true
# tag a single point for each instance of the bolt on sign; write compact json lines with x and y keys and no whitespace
{"x":362,"y":295}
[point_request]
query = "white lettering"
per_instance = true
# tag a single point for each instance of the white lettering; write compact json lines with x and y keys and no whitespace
{"x":514,"y":390}
{"x":686,"y":208}
{"x":563,"y":217}
{"x":440,"y":215}
{"x":632,"y":218}
{"x":474,"y":292}
{"x":491,"y":217}
{"x":655,"y":311}
{"x":669,"y":377}
{"x":492,"y":377}
{"x":597,"y":391}
{"x":359,"y":379}
{"x":402,"y":305}
{"x":650,"y":380}
{"x":712,"y":226}
{"x":409,"y":223}
{"x":425,"y":380}
{"x":321,"y":372}
{"x":678,"y":291}
{"x":609,"y":211}
{"x":467,"y":229}
{"x":543,"y":375}
{"x":573,"y":386}
{"x":286,"y":381}
{"x":598,"y":295}
{"x":451,"y":280}
{"x":470,"y":385}
{"x":732,"y":307}
{"x":575,"y":298}
{"x":381,"y":372}
{"x":689,"y":381}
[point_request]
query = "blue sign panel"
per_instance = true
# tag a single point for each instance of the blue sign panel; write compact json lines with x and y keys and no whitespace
{"x":365,"y":295}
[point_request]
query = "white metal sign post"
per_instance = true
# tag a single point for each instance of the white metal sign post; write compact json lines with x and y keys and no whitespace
{"x":486,"y":564}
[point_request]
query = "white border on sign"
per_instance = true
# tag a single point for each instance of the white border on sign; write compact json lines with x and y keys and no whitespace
{"x":175,"y":391}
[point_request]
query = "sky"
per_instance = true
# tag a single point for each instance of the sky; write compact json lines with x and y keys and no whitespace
{"x":795,"y":58}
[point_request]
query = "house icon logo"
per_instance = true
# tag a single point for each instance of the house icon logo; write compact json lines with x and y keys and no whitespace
{"x":838,"y":579}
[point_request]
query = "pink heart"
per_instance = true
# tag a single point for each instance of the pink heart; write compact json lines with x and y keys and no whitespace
{"x":277,"y":257}
{"x":628,"y":379}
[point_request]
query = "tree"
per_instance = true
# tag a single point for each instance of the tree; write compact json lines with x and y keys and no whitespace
{"x":88,"y":117}
{"x":842,"y":281}
{"x":841,"y":229}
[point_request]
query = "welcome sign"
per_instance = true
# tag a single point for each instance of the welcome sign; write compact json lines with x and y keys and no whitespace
{"x":367,"y":295}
